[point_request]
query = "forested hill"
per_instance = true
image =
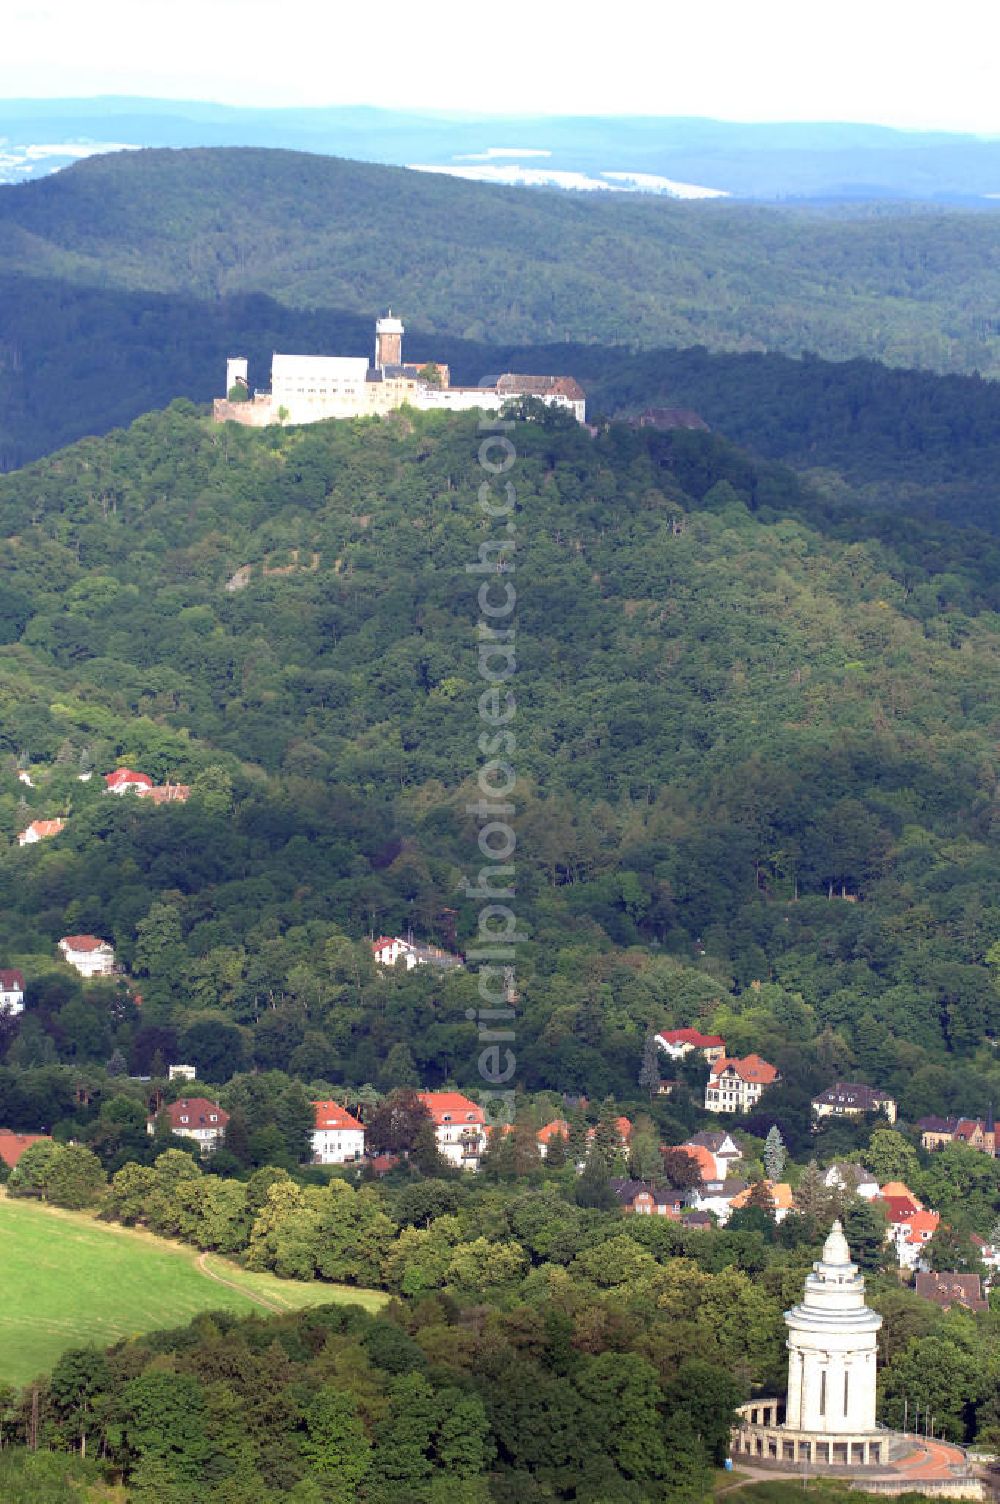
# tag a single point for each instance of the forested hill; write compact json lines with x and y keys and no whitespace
{"x":728,"y":712}
{"x":911,"y":287}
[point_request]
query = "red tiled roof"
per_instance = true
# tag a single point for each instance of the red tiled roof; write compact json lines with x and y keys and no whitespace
{"x":198,"y":1111}
{"x":923,"y":1225}
{"x":82,"y":942}
{"x":541,"y":386}
{"x":558,"y":1126}
{"x":13,"y":1145}
{"x":332,"y":1115}
{"x":166,"y":793}
{"x":750,"y":1068}
{"x":451,"y":1106}
{"x":122,"y":776}
{"x":692,"y":1037}
{"x":703,"y":1158}
{"x":900,"y":1209}
{"x":44,"y":828}
{"x":11,"y":981}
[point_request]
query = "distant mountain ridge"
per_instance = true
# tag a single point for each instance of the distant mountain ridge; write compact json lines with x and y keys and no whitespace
{"x":766,"y":161}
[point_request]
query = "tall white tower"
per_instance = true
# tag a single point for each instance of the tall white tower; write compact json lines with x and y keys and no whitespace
{"x":388,"y":341}
{"x":831,"y":1348}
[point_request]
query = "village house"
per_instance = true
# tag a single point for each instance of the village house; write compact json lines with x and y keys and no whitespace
{"x":13,"y":1145}
{"x":40,"y":830}
{"x":641,"y":1198}
{"x":557,"y":1128}
{"x":703,"y":1158}
{"x":87,"y":954}
{"x":735,"y":1085}
{"x":721,"y":1146}
{"x":852,"y":1099}
{"x":310,"y":388}
{"x":459,"y":1127}
{"x":337,"y":1138}
{"x":680,"y":1042}
{"x":952,"y":1289}
{"x":11,"y":992}
{"x":782,"y":1199}
{"x":624,"y":1127}
{"x":180,"y":1072}
{"x":166,"y":793}
{"x":197,"y":1118}
{"x":853,"y":1178}
{"x":125,"y":781}
{"x":716,"y":1197}
{"x":390,"y":949}
{"x":974,"y":1133}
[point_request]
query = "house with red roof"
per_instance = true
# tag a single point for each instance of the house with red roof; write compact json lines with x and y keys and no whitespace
{"x":558,"y":1128}
{"x":337,"y":1138}
{"x":736,"y":1085}
{"x":13,"y":1145}
{"x":197,"y":1118}
{"x":723,"y":1148}
{"x":703,"y":1158}
{"x":11,"y":992}
{"x":389,"y":949}
{"x":641,"y":1198}
{"x":88,"y":954}
{"x":459,"y":1127}
{"x":680,"y":1042}
{"x":39,"y":830}
{"x":125,"y":781}
{"x":166,"y":793}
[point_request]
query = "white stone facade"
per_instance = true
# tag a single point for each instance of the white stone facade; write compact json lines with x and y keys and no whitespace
{"x":832,"y":1340}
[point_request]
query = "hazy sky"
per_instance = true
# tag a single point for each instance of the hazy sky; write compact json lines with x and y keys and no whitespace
{"x":896,"y":62}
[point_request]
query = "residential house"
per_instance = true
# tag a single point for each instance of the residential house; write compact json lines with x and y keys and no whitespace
{"x":13,"y":1145}
{"x":558,"y":1127}
{"x":389,"y":949}
{"x":624,"y":1127}
{"x":125,"y":781}
{"x":781,"y":1198}
{"x":910,"y":1244}
{"x":40,"y":830}
{"x":989,"y":1253}
{"x":721,"y":1145}
{"x":197,"y":1118}
{"x":459,"y":1127}
{"x":178,"y":1072}
{"x":642,"y":1199}
{"x":87,"y":954}
{"x":975,"y":1133}
{"x":337,"y":1137}
{"x":11,"y":993}
{"x":680,"y":1042}
{"x":852,"y":1099}
{"x":703,"y":1158}
{"x":166,"y":793}
{"x":855,"y":1179}
{"x":717,"y":1196}
{"x":910,"y":1225}
{"x":736,"y":1085}
{"x":952,"y":1289}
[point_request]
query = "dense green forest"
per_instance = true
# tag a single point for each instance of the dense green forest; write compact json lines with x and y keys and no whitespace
{"x":735,"y":716}
{"x":495,"y":263}
{"x":537,"y":1349}
{"x":127,"y":279}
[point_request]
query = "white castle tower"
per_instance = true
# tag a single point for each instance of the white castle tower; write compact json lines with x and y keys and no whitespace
{"x":831,"y":1348}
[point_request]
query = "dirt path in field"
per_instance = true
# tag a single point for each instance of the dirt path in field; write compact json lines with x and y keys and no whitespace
{"x":258,"y":1300}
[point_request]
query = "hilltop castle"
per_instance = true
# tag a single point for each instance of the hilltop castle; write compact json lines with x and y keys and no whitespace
{"x":307,"y":388}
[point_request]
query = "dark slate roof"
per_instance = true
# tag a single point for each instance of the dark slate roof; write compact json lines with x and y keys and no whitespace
{"x":853,"y":1094}
{"x":948,"y":1289}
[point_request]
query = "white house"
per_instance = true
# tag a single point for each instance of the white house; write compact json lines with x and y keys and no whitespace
{"x":88,"y":955}
{"x":197,"y":1118}
{"x":459,"y":1127}
{"x":736,"y":1085}
{"x":680,"y":1042}
{"x":181,"y":1073}
{"x":11,"y":992}
{"x":852,"y":1099}
{"x":388,"y":949}
{"x":723,"y":1148}
{"x":337,"y":1137}
{"x":39,"y":830}
{"x":125,"y":781}
{"x":847,"y":1176}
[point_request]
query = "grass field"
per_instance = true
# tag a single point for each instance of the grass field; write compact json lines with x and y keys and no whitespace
{"x":69,"y":1281}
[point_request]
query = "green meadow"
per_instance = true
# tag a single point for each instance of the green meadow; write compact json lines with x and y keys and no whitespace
{"x":70,"y":1281}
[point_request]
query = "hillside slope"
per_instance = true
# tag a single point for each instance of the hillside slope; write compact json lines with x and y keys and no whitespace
{"x":499,"y":264}
{"x":731,"y":708}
